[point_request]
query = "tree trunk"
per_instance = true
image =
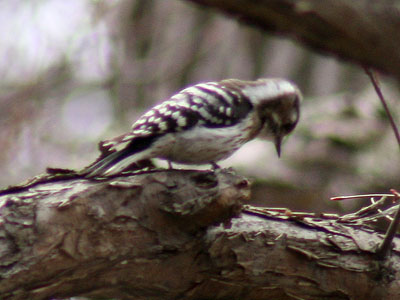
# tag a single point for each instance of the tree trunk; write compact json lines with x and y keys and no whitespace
{"x":177,"y":234}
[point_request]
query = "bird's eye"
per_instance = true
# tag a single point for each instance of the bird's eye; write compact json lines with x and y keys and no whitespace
{"x":288,"y":127}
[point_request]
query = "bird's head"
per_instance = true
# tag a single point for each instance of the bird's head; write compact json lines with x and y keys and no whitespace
{"x":277,"y":101}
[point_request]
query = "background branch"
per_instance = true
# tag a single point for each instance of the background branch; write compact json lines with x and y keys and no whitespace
{"x":362,"y":31}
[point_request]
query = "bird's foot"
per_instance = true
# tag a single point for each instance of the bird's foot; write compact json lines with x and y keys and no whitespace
{"x":214,"y":166}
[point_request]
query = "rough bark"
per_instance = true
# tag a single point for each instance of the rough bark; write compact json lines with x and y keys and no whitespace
{"x":363,"y":31}
{"x":181,"y":235}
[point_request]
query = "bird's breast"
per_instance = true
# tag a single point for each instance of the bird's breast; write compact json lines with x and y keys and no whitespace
{"x":201,"y":145}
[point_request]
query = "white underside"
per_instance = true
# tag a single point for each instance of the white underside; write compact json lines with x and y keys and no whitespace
{"x":202,"y":145}
{"x":199,"y":145}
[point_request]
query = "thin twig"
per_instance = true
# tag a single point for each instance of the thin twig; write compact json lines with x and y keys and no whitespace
{"x":384,"y":248}
{"x":340,"y":198}
{"x":390,"y":233}
{"x":375,"y":83}
{"x":375,"y":203}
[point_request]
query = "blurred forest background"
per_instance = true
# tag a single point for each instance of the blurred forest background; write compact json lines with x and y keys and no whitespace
{"x":79,"y":71}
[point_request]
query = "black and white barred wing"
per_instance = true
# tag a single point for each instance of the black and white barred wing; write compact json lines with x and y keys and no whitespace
{"x":211,"y":105}
{"x":218,"y":104}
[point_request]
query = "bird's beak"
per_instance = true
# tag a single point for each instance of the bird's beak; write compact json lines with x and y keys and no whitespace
{"x":278,"y":142}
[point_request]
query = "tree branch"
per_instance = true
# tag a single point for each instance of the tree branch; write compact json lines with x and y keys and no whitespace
{"x":363,"y":31}
{"x":177,"y":234}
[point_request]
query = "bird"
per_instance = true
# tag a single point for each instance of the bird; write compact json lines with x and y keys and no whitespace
{"x":205,"y":123}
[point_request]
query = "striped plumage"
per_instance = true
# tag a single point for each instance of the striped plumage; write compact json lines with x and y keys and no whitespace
{"x":205,"y":123}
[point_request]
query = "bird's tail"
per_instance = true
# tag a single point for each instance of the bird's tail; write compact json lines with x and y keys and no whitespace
{"x":118,"y":161}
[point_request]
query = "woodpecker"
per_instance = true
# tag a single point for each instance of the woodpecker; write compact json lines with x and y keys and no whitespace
{"x":205,"y":123}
